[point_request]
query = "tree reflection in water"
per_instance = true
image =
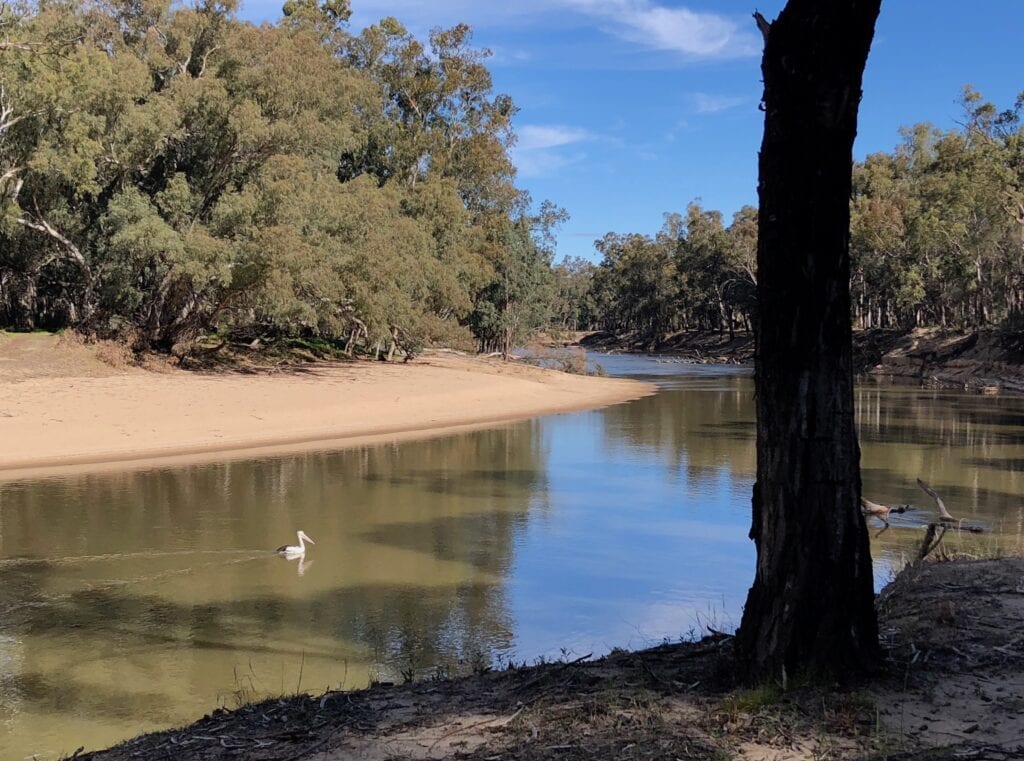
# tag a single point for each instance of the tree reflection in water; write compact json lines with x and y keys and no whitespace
{"x":139,"y":599}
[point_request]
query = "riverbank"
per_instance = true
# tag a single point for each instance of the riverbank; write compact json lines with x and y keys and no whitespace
{"x":987,"y":361}
{"x":68,"y":406}
{"x":949,"y":686}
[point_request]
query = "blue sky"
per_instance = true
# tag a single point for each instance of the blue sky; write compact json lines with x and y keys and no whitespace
{"x":633,"y":108}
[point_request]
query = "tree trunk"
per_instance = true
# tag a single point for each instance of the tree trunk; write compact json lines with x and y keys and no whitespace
{"x":810,"y":610}
{"x":394,"y":343}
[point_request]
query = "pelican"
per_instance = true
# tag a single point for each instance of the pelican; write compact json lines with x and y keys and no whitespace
{"x":295,"y":550}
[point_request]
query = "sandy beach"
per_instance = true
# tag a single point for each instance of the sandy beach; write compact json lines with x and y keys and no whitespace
{"x":62,"y":410}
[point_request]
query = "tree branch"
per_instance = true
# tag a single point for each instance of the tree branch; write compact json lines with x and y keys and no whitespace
{"x":10,"y":184}
{"x":25,"y":47}
{"x":47,"y":229}
{"x":944,"y":514}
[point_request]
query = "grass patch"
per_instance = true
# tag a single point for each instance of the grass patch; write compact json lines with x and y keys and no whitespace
{"x":752,"y":700}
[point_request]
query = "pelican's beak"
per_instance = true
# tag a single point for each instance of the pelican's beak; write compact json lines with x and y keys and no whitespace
{"x":309,"y":540}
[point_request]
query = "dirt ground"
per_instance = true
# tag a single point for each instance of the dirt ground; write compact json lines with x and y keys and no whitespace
{"x":26,"y":356}
{"x":982,"y":360}
{"x":951,"y":687}
{"x":954,"y":632}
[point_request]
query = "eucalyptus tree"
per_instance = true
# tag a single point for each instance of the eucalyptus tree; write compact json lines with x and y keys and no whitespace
{"x":936,"y":226}
{"x":168,"y":170}
{"x":519,"y":301}
{"x":636,"y":285}
{"x":574,"y":306}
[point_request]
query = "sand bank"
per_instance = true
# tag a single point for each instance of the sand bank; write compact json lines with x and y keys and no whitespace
{"x":75,"y":416}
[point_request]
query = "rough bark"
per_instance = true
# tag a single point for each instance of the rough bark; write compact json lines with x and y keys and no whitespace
{"x":810,"y":611}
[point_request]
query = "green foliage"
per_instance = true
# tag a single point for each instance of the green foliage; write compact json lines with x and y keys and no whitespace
{"x":696,"y":273}
{"x":170,"y":171}
{"x":937,"y":228}
{"x":574,"y":306}
{"x":519,"y":301}
{"x":936,"y":238}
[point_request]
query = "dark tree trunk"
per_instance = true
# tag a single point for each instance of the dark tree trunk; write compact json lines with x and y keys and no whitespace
{"x":810,"y":610}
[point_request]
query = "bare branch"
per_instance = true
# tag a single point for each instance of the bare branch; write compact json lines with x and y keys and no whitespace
{"x":25,"y":47}
{"x":206,"y":58}
{"x":7,"y":117}
{"x":10,"y":184}
{"x":944,"y":515}
{"x":41,"y":225}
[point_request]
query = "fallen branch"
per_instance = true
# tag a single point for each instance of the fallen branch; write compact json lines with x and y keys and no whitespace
{"x":945,"y":517}
{"x":875,"y":510}
{"x":944,"y":514}
{"x":930,"y":541}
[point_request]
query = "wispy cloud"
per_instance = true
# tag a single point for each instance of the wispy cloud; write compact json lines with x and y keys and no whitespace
{"x":694,"y":34}
{"x":534,"y":137}
{"x":707,"y":103}
{"x":539,"y":149}
{"x":504,"y":56}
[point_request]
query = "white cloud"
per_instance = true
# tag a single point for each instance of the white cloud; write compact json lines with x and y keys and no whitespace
{"x":694,"y":34}
{"x":538,"y":148}
{"x":705,"y":103}
{"x":534,"y":137}
{"x":501,"y":55}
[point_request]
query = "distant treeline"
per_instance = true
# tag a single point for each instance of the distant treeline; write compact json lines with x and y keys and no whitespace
{"x":167,"y":171}
{"x":937,"y":239}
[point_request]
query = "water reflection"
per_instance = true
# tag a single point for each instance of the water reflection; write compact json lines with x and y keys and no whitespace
{"x":138,"y":600}
{"x":141,"y":599}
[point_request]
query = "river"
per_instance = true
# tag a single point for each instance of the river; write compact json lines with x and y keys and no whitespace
{"x":137,"y":600}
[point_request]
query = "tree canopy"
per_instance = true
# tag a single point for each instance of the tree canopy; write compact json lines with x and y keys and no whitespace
{"x":169,"y":170}
{"x":936,"y":239}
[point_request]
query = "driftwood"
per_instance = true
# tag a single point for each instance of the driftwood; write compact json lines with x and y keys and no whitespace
{"x":945,"y":518}
{"x":882,"y":512}
{"x":944,"y":515}
{"x":936,"y":531}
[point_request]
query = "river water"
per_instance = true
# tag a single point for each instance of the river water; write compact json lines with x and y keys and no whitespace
{"x":138,"y":600}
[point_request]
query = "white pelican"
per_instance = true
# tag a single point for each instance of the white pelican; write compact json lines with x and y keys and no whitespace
{"x":293,"y":550}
